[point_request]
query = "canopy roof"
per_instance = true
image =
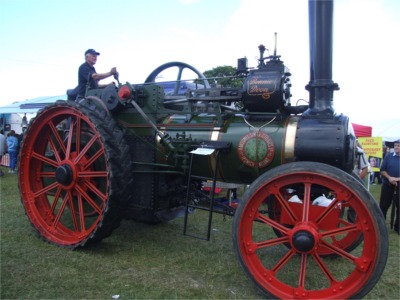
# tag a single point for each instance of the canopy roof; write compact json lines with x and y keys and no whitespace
{"x":362,"y":130}
{"x":30,"y":105}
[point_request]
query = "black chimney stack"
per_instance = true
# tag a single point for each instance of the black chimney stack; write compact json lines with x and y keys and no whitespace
{"x":321,"y":86}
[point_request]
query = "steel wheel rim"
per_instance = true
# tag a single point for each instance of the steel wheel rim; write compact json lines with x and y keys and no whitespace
{"x":66,"y":197}
{"x":267,"y":276}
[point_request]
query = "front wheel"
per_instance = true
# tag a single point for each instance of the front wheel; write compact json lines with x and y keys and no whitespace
{"x":310,"y":257}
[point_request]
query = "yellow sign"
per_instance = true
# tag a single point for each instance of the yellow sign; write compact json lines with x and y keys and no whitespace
{"x":372,"y":147}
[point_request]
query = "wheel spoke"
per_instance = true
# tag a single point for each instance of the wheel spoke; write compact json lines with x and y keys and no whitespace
{"x":179,"y":77}
{"x":46,"y":189}
{"x":47,"y":174}
{"x":73,"y":211}
{"x":324,"y":269}
{"x":87,"y":148}
{"x":95,"y":190}
{"x":327,"y":211}
{"x":306,"y":202}
{"x":44,"y":159}
{"x":272,"y":242}
{"x":339,"y":251}
{"x":89,"y":174}
{"x":93,"y":158}
{"x":81,"y":213}
{"x":60,"y":211}
{"x":340,"y":230}
{"x":272,"y":223}
{"x":283,"y":261}
{"x":54,"y":150}
{"x":345,"y":223}
{"x":303,"y":270}
{"x":286,"y":207}
{"x":55,"y":201}
{"x":78,"y":136}
{"x":89,"y":199}
{"x":69,"y":139}
{"x":58,"y":138}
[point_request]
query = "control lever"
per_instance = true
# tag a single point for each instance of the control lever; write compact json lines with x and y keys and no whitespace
{"x":116,"y":77}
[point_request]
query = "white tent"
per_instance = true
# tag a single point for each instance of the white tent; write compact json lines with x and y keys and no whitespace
{"x":30,"y":105}
{"x":388,"y":129}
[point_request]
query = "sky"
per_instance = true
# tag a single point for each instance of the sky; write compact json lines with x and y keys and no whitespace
{"x":43,"y":43}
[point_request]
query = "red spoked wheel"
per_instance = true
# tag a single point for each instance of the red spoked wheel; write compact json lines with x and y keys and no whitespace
{"x":312,"y":256}
{"x":71,"y":174}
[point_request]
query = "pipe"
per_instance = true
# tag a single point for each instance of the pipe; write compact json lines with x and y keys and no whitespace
{"x":321,"y":86}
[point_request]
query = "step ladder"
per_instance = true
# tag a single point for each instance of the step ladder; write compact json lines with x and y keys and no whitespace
{"x":205,"y":148}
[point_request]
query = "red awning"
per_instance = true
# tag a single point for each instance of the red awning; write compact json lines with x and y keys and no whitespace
{"x":362,"y":130}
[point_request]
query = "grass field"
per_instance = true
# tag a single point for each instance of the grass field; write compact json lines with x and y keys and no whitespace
{"x":138,"y":261}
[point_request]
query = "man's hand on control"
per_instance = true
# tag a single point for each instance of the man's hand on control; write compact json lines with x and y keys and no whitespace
{"x":113,"y":71}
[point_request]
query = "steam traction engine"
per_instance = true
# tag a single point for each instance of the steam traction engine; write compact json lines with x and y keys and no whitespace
{"x":133,"y":152}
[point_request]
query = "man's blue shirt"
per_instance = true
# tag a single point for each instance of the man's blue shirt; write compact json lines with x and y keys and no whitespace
{"x":391,"y":164}
{"x":85,"y":72}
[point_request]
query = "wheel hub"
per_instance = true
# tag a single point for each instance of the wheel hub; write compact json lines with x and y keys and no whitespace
{"x":303,"y":241}
{"x":64,"y":174}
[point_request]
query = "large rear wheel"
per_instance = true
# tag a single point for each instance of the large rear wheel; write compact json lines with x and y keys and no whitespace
{"x":71,"y":174}
{"x":292,"y":235}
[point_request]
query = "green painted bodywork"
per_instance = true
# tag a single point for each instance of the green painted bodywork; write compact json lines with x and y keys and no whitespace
{"x":262,"y":137}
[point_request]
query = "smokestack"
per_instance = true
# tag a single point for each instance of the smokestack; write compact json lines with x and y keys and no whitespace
{"x":321,"y":86}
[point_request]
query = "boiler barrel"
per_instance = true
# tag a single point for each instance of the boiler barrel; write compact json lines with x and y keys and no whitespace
{"x":260,"y":143}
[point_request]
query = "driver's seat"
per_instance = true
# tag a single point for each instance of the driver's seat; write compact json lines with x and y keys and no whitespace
{"x":72,"y":94}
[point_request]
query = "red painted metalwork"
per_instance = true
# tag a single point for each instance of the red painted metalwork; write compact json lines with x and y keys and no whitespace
{"x":279,"y":242}
{"x":67,"y":197}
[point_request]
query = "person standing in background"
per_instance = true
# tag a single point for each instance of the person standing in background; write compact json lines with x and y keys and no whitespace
{"x":361,"y":167}
{"x":387,"y":151}
{"x":372,"y":163}
{"x":390,"y":171}
{"x":2,"y":148}
{"x":12,"y":148}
